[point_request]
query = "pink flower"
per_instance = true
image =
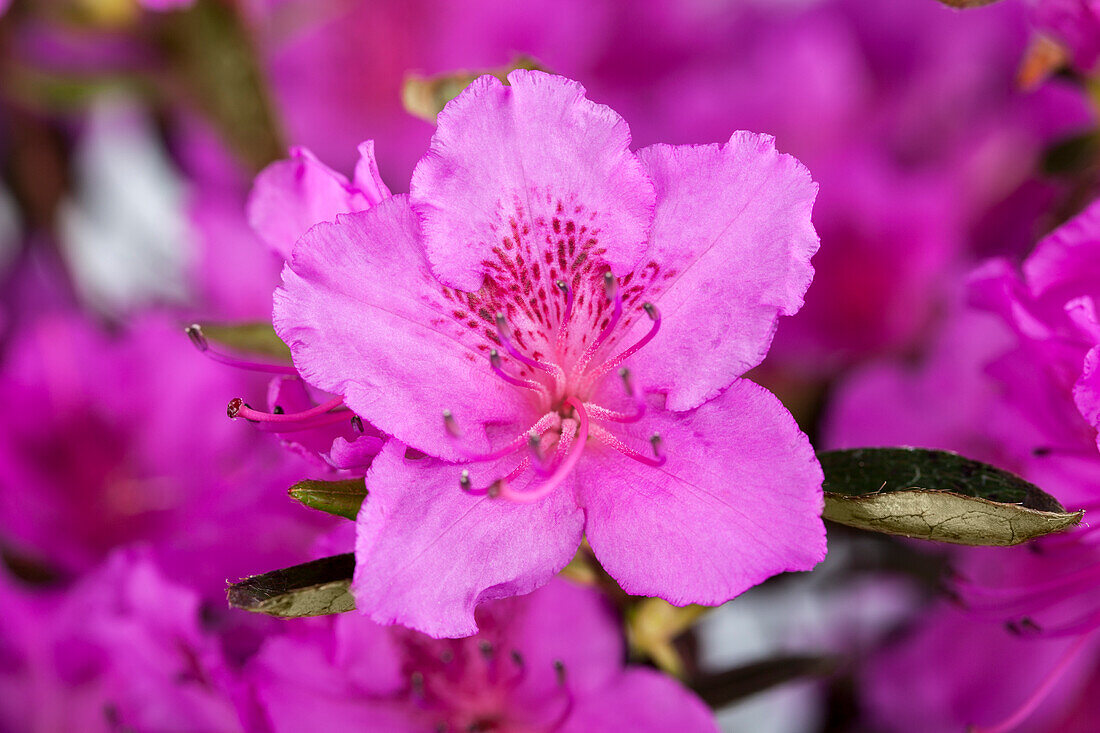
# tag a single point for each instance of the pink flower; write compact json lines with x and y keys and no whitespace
{"x":122,"y":649}
{"x":550,"y":661}
{"x":113,"y":438}
{"x":1020,"y":392}
{"x":557,"y":325}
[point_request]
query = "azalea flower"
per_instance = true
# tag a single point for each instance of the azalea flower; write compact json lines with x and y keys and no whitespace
{"x":122,"y":649}
{"x":556,"y":326}
{"x":550,"y":661}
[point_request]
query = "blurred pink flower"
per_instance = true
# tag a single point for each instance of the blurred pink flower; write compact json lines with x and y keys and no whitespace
{"x":480,"y":320}
{"x":548,"y":661}
{"x":123,"y":649}
{"x":113,"y":438}
{"x":1020,"y":392}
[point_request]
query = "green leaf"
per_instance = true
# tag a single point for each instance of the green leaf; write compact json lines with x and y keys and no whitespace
{"x":254,"y":338}
{"x":937,"y":495}
{"x":317,"y":588}
{"x":425,"y":97}
{"x":723,"y":688}
{"x":210,"y":47}
{"x":342,"y":498}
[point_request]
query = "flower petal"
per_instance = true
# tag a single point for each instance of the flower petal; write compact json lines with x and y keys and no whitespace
{"x":641,"y":700}
{"x":364,"y":318}
{"x":738,"y":501}
{"x":506,"y":161}
{"x":290,"y":196}
{"x":732,"y":222}
{"x":427,"y":553}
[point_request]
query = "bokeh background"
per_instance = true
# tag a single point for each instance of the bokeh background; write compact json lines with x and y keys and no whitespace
{"x":130,"y":133}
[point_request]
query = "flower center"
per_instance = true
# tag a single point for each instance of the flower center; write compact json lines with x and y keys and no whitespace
{"x":550,"y":320}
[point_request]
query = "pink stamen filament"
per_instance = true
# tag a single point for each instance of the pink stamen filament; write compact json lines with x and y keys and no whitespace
{"x":612,"y":442}
{"x":288,"y":417}
{"x":653,"y":313}
{"x":494,"y":363}
{"x":549,"y":421}
{"x":194,"y":332}
{"x":570,"y":446}
{"x":1040,"y":694}
{"x":496,"y":487}
{"x":329,"y":418}
{"x":570,"y":701}
{"x":503,"y":333}
{"x":597,"y":412}
{"x":563,"y":325}
{"x":616,"y":297}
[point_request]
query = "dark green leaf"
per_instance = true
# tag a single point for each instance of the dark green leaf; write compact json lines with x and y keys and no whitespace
{"x":342,"y":498}
{"x":317,"y":588}
{"x":937,"y":495}
{"x":211,"y":48}
{"x":723,"y":688}
{"x":1072,"y":156}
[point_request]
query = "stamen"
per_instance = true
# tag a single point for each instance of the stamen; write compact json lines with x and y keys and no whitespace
{"x":612,"y":442}
{"x":357,"y":424}
{"x":329,"y":418}
{"x":611,"y":289}
{"x":194,"y":332}
{"x":547,"y":422}
{"x":504,"y":332}
{"x":563,"y":325}
{"x":494,"y":362}
{"x":602,"y":413}
{"x":534,"y":443}
{"x":655,"y":316}
{"x":1041,"y":692}
{"x":571,"y":454}
{"x":559,"y":673}
{"x":495,"y":488}
{"x":450,"y":425}
{"x":248,"y":413}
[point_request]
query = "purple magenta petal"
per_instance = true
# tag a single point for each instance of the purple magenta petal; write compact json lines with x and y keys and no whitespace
{"x":568,"y":623}
{"x":732,"y":222}
{"x":738,"y":501}
{"x":365,"y":318}
{"x":641,"y":701}
{"x":506,"y":160}
{"x":427,"y":553}
{"x":290,"y":196}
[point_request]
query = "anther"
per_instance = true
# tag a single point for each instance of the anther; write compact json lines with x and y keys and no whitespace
{"x":278,"y":410}
{"x":650,"y":310}
{"x":494,"y":358}
{"x":486,"y":649}
{"x":450,"y":424}
{"x":194,"y":332}
{"x":658,"y":446}
{"x":464,"y":480}
{"x":610,"y":285}
{"x":416,"y":680}
{"x":624,"y":374}
{"x":357,"y":424}
{"x":559,"y":672}
{"x":234,"y":407}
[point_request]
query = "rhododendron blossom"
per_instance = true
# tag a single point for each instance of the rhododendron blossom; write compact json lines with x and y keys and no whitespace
{"x":555,"y":325}
{"x":549,"y":662}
